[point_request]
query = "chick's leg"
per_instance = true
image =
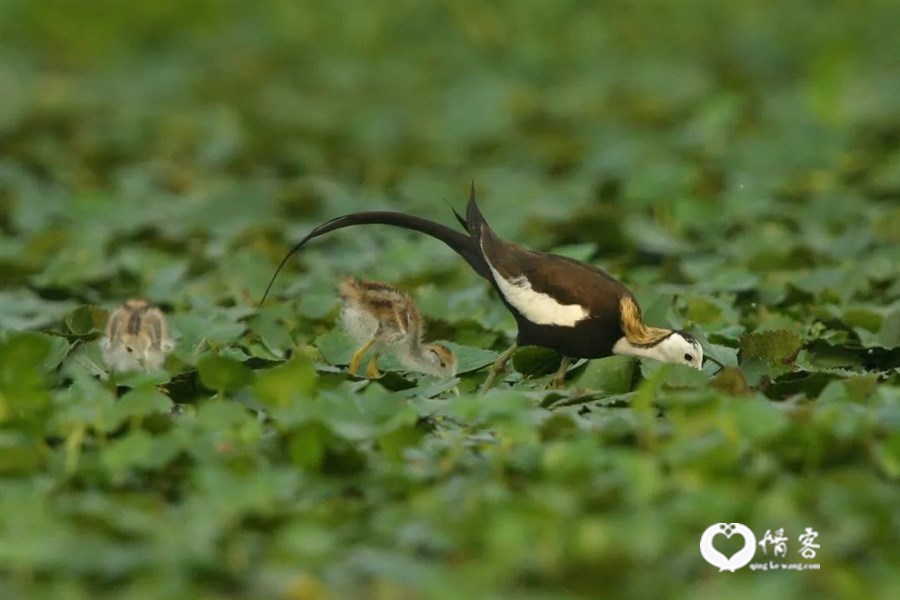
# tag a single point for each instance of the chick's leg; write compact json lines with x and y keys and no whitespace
{"x":372,"y":369}
{"x":358,"y":355}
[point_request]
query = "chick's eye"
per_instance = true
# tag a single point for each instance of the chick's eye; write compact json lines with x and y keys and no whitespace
{"x":688,"y":357}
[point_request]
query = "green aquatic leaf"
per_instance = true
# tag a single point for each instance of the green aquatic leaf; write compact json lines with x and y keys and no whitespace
{"x":86,"y":320}
{"x":673,"y":376}
{"x":470,"y":358}
{"x":773,"y":347}
{"x":889,"y":336}
{"x":731,"y":380}
{"x":198,"y":329}
{"x":337,"y":347}
{"x":22,"y":309}
{"x":271,"y":327}
{"x":308,"y":445}
{"x":650,"y":237}
{"x":393,"y":443}
{"x":19,"y":453}
{"x":364,"y":416}
{"x":613,"y":375}
{"x":293,"y":381}
{"x":137,"y":451}
{"x":759,"y":420}
{"x":136,"y":404}
{"x":26,"y":358}
{"x":222,"y":374}
{"x":85,"y":403}
{"x":141,"y":379}
{"x":532,"y":361}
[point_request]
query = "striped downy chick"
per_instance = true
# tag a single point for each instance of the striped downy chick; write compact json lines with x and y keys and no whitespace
{"x":137,"y":338}
{"x":380,"y":315}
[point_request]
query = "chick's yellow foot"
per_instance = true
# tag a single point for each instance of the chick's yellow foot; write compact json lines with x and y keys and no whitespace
{"x":372,"y":369}
{"x":358,"y":355}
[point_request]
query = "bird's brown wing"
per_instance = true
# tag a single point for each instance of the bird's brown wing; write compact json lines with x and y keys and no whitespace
{"x":566,"y":280}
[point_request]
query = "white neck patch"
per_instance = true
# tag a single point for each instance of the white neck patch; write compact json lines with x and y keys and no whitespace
{"x":537,"y":307}
{"x":674,"y":349}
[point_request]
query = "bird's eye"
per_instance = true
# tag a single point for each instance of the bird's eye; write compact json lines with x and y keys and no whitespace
{"x":688,"y":357}
{"x":129,"y":348}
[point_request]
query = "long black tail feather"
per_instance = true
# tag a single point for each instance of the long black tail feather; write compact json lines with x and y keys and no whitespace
{"x":460,"y":242}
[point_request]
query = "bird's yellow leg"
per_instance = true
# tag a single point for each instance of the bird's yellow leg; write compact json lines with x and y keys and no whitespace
{"x":498,"y":366}
{"x":357,"y":356}
{"x":559,"y":380}
{"x":372,"y":369}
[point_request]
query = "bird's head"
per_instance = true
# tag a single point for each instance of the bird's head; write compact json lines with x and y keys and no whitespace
{"x":137,"y":345}
{"x":680,"y":348}
{"x":439,"y":360}
{"x":665,"y":345}
{"x":677,"y":347}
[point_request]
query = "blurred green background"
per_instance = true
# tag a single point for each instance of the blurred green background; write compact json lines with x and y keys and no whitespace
{"x":736,"y":163}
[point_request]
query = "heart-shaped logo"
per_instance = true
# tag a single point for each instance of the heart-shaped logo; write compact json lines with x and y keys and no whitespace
{"x":736,"y":560}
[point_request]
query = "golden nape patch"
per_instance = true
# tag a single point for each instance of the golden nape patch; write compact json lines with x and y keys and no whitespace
{"x":636,"y":332}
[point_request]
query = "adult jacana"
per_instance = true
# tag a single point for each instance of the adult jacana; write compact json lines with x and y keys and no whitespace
{"x":559,"y":303}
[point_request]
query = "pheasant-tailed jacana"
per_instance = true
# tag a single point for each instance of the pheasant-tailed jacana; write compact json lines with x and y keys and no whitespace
{"x":137,"y":337}
{"x":381,"y":315}
{"x":559,"y":303}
